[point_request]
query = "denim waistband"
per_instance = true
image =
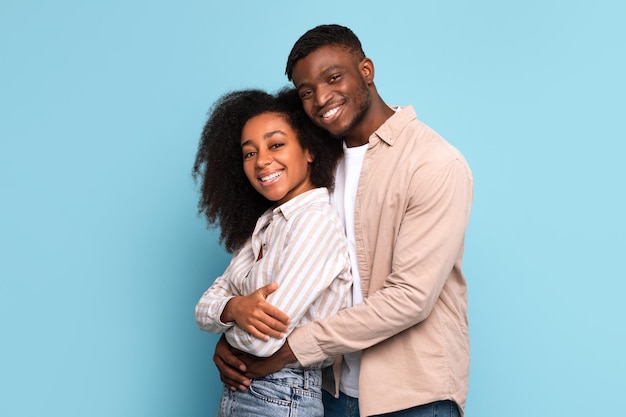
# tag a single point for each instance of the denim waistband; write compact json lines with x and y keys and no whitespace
{"x":296,"y":377}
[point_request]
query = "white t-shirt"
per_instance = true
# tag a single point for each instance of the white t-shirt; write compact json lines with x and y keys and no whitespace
{"x":343,"y":198}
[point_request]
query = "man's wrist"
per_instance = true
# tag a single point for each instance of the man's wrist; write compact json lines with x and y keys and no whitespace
{"x":286,"y":355}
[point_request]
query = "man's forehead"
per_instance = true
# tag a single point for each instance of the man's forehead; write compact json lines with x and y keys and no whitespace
{"x":324,"y":58}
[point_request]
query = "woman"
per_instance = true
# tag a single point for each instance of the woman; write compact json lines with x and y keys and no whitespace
{"x":265,"y":172}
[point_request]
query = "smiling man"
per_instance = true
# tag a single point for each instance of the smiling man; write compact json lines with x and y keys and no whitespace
{"x":404,"y":195}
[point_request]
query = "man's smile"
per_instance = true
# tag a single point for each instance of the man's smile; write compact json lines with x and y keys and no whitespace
{"x":330,"y":113}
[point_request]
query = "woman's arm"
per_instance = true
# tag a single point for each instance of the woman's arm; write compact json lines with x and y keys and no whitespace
{"x":255,"y":315}
{"x":313,"y":261}
{"x":220,"y":307}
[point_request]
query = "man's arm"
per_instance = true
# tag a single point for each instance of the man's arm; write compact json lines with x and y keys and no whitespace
{"x":427,"y":250}
{"x":427,"y":245}
{"x":237,"y":368}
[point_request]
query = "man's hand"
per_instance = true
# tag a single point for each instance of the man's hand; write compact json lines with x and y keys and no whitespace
{"x":231,"y":368}
{"x":237,"y":368}
{"x":259,"y":367}
{"x":255,"y":315}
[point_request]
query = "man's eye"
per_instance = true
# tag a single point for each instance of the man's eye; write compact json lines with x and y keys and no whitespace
{"x":334,"y":78}
{"x":305,"y":94}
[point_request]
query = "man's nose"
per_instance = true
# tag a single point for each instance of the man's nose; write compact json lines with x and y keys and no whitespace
{"x":322,"y":96}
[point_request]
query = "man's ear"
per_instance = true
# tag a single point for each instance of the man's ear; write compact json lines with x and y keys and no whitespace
{"x":366,"y":66}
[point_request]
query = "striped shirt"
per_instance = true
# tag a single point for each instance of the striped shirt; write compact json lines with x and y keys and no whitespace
{"x":305,"y":250}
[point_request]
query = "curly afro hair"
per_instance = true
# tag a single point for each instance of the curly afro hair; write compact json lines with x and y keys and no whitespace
{"x":227,"y":198}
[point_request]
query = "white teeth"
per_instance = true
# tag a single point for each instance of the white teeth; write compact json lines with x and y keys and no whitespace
{"x":271,"y":176}
{"x":330,"y":113}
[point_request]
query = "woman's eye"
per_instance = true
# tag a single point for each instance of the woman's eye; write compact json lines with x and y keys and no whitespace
{"x":276,"y":145}
{"x":248,"y":155}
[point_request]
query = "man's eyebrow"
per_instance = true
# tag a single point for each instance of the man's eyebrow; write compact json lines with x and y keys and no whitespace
{"x":332,"y":68}
{"x":325,"y":72}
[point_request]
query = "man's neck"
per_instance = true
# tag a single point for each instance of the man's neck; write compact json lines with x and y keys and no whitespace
{"x":377,"y":114}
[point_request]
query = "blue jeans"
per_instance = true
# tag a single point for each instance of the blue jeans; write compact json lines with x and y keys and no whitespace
{"x":346,"y":406}
{"x":286,"y":393}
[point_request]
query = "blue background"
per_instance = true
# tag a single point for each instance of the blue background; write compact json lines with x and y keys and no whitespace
{"x":102,"y":254}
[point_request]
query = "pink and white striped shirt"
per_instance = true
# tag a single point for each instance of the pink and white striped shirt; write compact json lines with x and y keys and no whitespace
{"x":305,"y":250}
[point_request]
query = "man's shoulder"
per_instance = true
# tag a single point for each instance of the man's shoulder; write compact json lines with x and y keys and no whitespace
{"x":414,"y":144}
{"x":404,"y":128}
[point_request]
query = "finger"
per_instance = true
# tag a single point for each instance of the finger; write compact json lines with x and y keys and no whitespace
{"x":225,"y":357}
{"x":254,"y":331}
{"x":231,"y":377}
{"x":267,"y":323}
{"x":275,"y":329}
{"x":281,"y":320}
{"x":232,"y":384}
{"x":268,"y":289}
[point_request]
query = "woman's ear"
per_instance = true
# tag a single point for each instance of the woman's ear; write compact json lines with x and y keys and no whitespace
{"x":309,"y":156}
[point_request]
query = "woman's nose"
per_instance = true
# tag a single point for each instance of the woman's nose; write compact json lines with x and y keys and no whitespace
{"x":264,"y":158}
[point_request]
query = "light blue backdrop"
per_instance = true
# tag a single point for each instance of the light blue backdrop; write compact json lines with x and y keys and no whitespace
{"x":102,"y":255}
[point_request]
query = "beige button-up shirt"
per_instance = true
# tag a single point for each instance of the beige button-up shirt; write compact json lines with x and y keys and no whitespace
{"x":412,"y":208}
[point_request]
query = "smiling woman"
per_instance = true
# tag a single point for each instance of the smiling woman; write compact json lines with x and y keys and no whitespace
{"x":265,"y":172}
{"x":275,"y":163}
{"x":228,"y":197}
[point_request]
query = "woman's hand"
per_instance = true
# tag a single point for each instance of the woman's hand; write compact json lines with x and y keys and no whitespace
{"x":255,"y":315}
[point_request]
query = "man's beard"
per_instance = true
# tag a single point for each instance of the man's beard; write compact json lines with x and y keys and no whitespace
{"x":363,"y":93}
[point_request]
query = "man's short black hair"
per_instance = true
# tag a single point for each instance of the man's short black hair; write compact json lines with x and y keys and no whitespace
{"x":319,"y":36}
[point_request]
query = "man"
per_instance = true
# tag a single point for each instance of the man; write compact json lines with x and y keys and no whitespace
{"x":405,"y":195}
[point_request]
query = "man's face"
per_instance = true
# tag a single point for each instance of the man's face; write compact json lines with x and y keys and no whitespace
{"x":333,"y":89}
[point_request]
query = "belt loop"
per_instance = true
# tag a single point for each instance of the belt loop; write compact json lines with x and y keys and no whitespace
{"x":307,"y":377}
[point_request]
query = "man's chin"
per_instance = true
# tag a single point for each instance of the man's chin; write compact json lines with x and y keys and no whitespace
{"x":334,"y":133}
{"x":338,"y":134}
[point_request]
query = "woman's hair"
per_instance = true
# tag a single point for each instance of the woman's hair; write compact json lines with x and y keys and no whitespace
{"x":227,"y":198}
{"x":323,"y":35}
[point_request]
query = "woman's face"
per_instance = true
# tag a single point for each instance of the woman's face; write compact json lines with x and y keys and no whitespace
{"x":273,"y":160}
